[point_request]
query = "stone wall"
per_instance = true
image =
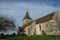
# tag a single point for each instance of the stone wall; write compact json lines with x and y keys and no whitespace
{"x":49,"y":27}
{"x":25,"y":21}
{"x":38,"y":29}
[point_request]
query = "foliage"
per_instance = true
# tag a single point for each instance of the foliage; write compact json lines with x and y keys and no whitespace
{"x":2,"y":35}
{"x":6,"y":24}
{"x":14,"y":34}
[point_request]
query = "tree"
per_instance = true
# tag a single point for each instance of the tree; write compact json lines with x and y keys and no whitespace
{"x":14,"y":34}
{"x":6,"y":24}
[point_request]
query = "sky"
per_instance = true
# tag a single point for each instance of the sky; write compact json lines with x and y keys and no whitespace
{"x":16,"y":9}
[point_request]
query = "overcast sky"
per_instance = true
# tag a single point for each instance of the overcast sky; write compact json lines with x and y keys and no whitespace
{"x":37,"y":8}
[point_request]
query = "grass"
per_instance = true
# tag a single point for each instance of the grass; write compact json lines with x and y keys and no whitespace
{"x":41,"y":37}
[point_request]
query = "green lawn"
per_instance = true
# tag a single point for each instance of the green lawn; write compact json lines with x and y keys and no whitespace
{"x":32,"y":38}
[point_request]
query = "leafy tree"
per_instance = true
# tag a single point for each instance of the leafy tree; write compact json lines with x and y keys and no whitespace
{"x":6,"y":24}
{"x":14,"y":34}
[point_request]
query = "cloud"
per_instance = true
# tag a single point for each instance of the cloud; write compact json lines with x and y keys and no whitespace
{"x":17,"y":10}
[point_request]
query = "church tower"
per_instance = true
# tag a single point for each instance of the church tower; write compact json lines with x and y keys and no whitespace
{"x":27,"y":18}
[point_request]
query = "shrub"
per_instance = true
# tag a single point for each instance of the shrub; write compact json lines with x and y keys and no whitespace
{"x":14,"y":34}
{"x":2,"y":35}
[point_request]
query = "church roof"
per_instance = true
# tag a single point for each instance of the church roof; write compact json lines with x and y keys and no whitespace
{"x":27,"y":16}
{"x":45,"y":18}
{"x":41,"y":20}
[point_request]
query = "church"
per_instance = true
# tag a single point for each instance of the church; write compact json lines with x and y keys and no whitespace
{"x":47,"y":25}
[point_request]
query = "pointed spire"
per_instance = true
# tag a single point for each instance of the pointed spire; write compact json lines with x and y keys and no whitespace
{"x":27,"y":15}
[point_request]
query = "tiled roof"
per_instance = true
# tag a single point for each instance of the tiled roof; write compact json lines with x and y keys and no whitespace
{"x":41,"y":20}
{"x":45,"y":18}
